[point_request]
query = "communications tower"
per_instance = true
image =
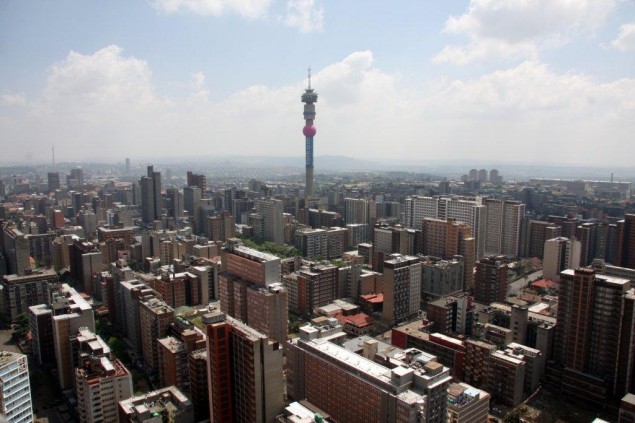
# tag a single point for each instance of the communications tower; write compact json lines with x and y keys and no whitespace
{"x":309,"y":98}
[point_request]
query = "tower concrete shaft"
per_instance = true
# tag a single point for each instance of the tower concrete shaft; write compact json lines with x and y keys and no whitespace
{"x":309,"y":98}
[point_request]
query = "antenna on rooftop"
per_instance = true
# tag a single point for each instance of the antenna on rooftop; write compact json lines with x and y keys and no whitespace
{"x":309,"y":78}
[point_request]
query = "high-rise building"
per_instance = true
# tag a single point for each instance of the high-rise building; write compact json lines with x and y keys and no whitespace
{"x":466,"y":210}
{"x":449,"y":238}
{"x":309,"y":97}
{"x":312,"y":287}
{"x":70,"y":313}
{"x":53,"y":181}
{"x":75,"y":179}
{"x":626,"y":241}
{"x":22,"y":292}
{"x":355,"y":388}
{"x":560,"y":254}
{"x":244,"y":373}
{"x":312,"y":243}
{"x":100,"y":381}
{"x":194,"y":179}
{"x":174,"y":202}
{"x":271,"y":211}
{"x":490,"y":280}
{"x":534,"y":234}
{"x":41,"y":325}
{"x":15,"y":388}
{"x":595,"y":335}
{"x":504,"y":222}
{"x":192,"y":204}
{"x":85,"y":260}
{"x":402,"y":288}
{"x":250,"y":290}
{"x":16,"y":250}
{"x":154,"y":319}
{"x":442,"y":277}
{"x":358,"y":210}
{"x":151,"y":201}
{"x":357,"y":234}
{"x":222,"y":227}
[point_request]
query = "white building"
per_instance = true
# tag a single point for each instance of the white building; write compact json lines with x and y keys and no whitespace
{"x":15,"y":389}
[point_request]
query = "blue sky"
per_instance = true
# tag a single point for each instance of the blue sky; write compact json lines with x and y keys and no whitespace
{"x":536,"y":81}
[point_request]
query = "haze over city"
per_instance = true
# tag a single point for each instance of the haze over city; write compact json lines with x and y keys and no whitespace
{"x":542,"y":82}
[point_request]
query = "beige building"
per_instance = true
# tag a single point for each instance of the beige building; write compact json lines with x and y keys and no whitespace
{"x":15,"y":388}
{"x":154,"y":318}
{"x":467,"y":404}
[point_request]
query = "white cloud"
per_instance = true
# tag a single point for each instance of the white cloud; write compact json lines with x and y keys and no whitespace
{"x":250,"y":9}
{"x":12,"y":100}
{"x":105,"y":106}
{"x":520,"y":28}
{"x":625,"y":40}
{"x":304,"y":15}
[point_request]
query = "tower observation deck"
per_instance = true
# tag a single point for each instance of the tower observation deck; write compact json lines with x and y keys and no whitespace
{"x":309,"y":98}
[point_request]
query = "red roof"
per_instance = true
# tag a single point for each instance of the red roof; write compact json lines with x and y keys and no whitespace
{"x":373,"y":298}
{"x":544,"y":284}
{"x":359,"y":319}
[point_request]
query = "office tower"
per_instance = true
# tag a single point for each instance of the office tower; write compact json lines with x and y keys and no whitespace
{"x":504,"y":221}
{"x":16,"y":250}
{"x":222,"y":227}
{"x":357,"y":210}
{"x":449,"y":238}
{"x":75,"y":179}
{"x":127,"y":169}
{"x":560,"y":254}
{"x":467,"y":404}
{"x":245,"y":380}
{"x":482,"y":175}
{"x":354,"y":388}
{"x":88,"y":220}
{"x":271,"y":211}
{"x":163,"y":405}
{"x":151,"y":201}
{"x":442,"y":277}
{"x":595,"y":335}
{"x":402,"y":288}
{"x":154,"y":317}
{"x":192,"y":204}
{"x":473,"y":175}
{"x":15,"y":388}
{"x":626,"y":241}
{"x":53,"y":181}
{"x":174,"y":202}
{"x":490,"y":280}
{"x":200,"y":181}
{"x":21,"y":292}
{"x":100,"y":381}
{"x":309,"y":98}
{"x":534,"y":234}
{"x":312,"y":243}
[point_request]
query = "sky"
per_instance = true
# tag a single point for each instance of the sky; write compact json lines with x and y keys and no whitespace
{"x":527,"y":81}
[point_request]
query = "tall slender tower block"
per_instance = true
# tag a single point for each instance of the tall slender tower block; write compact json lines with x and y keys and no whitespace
{"x":309,"y":98}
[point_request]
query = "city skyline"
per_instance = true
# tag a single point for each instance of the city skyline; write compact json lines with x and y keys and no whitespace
{"x":396,"y":81}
